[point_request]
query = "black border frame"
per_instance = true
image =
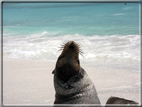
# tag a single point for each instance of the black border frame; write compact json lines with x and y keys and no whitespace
{"x":64,"y":1}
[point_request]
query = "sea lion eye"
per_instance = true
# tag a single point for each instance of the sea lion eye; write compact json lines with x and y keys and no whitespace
{"x":78,"y":61}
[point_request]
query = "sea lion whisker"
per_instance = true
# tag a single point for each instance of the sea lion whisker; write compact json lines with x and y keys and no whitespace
{"x":64,"y":42}
{"x":82,"y":55}
{"x":80,"y":51}
{"x":60,"y":49}
{"x":63,"y":45}
{"x":78,"y":44}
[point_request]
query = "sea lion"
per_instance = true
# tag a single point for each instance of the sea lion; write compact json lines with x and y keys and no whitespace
{"x":120,"y":101}
{"x":71,"y":82}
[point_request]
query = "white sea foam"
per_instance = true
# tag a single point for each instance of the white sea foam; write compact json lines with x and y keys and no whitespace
{"x":127,"y":8}
{"x":118,"y":14}
{"x":102,"y":50}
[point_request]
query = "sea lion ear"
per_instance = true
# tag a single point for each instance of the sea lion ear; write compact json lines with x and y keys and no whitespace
{"x":53,"y":71}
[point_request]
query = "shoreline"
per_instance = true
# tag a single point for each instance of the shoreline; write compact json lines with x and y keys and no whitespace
{"x":27,"y":81}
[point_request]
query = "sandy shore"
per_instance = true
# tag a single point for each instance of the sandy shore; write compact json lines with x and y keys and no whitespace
{"x":31,"y":82}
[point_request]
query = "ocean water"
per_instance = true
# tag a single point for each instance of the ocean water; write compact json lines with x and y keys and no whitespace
{"x":107,"y":32}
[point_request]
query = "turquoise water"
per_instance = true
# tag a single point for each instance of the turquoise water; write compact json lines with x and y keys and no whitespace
{"x":71,"y":18}
{"x":108,"y":32}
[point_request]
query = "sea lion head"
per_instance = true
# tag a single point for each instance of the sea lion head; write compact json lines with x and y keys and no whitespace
{"x":68,"y":63}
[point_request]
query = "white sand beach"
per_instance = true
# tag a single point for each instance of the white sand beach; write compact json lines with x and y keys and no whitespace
{"x":31,"y":82}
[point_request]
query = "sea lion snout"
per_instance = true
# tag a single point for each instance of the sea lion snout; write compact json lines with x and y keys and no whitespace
{"x":71,"y":45}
